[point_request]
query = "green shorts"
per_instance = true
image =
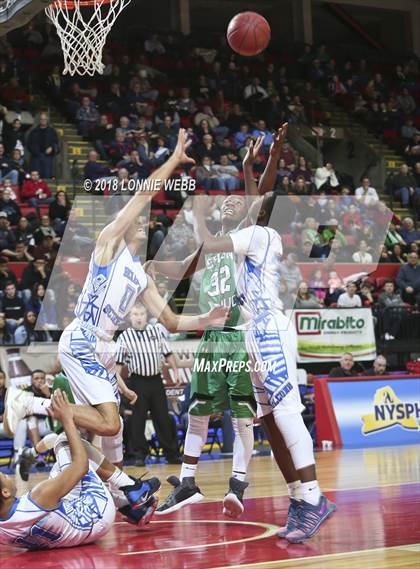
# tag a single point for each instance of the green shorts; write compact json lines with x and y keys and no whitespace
{"x":220,"y":378}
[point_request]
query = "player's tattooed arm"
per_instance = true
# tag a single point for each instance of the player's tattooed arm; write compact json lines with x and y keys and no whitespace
{"x":179,"y":322}
{"x":118,"y":227}
{"x":210,"y":243}
{"x":268,"y":177}
{"x":47,"y":494}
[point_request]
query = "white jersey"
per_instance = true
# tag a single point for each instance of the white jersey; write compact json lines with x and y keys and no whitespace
{"x":77,"y":520}
{"x":258,"y":276}
{"x":270,"y":341}
{"x":110,"y":292}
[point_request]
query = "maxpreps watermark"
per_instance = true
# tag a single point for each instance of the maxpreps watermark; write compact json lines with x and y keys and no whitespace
{"x":232,"y":366}
{"x":132,"y":185}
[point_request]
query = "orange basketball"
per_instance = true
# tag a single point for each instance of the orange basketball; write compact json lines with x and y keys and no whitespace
{"x":248,"y":33}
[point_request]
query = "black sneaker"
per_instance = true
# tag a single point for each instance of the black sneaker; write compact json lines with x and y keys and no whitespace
{"x":183,"y":494}
{"x":233,"y":501}
{"x":140,"y":491}
{"x":25,"y":460}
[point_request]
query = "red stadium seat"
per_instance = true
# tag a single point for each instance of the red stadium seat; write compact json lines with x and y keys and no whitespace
{"x":18,"y":268}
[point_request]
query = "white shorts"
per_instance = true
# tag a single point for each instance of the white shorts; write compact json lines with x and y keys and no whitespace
{"x":90,"y":367}
{"x":271,"y":343}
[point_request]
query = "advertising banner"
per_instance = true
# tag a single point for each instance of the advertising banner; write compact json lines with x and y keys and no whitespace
{"x":323,"y":335}
{"x":377,"y":412}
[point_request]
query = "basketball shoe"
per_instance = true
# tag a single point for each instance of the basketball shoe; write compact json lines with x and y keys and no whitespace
{"x":233,"y":505}
{"x":183,"y":494}
{"x":140,"y":516}
{"x":309,"y":519}
{"x":140,"y":492}
{"x":27,"y":457}
{"x":292,"y":518}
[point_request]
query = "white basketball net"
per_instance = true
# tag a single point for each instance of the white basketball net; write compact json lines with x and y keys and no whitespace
{"x":83,"y":28}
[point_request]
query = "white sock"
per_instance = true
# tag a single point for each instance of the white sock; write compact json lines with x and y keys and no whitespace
{"x":311,"y":492}
{"x":119,"y":497}
{"x":242,"y":447}
{"x":39,"y":406}
{"x":47,"y":442}
{"x":187,"y":470}
{"x":119,"y":478}
{"x":295,"y":490}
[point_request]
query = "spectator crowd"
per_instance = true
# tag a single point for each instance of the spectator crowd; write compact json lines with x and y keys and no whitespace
{"x":132,"y":115}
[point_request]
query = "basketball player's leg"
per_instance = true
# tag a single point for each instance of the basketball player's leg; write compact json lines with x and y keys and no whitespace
{"x":92,"y":383}
{"x":277,"y":393}
{"x":243,"y":410}
{"x":102,"y":419}
{"x":134,"y":499}
{"x":204,"y":386}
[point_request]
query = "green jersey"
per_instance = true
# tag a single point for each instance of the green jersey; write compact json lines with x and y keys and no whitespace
{"x":218,"y":285}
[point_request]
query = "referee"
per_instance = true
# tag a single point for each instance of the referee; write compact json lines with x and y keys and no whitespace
{"x":143,"y":348}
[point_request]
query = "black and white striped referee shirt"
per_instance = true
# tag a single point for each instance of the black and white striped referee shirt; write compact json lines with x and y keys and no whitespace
{"x":142,"y":350}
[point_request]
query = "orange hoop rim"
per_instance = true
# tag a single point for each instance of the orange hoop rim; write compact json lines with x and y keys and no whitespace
{"x":71,"y":4}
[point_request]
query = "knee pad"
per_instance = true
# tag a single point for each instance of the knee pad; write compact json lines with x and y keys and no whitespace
{"x":196,"y":434}
{"x":112,"y":447}
{"x":198,"y":425}
{"x":296,"y":437}
{"x":242,"y":426}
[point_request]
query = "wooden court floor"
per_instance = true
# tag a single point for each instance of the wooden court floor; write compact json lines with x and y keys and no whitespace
{"x":376,"y":526}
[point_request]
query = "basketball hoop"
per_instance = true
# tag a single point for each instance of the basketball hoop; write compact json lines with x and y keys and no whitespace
{"x":83,"y":26}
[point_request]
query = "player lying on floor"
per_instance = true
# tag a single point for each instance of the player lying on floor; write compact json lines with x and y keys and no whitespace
{"x":73,"y":507}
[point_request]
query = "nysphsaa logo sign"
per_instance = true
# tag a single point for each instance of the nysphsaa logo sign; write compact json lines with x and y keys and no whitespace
{"x":389,"y":411}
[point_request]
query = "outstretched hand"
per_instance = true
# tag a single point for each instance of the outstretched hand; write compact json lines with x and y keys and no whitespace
{"x":217,"y":316}
{"x":180,"y":152}
{"x":279,"y":138}
{"x":253,"y":151}
{"x":60,"y":407}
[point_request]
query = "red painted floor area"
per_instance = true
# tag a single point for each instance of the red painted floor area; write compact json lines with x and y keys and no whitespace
{"x":365,"y":519}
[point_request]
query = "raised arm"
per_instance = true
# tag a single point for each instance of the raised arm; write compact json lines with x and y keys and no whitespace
{"x":176,"y":269}
{"x":117,"y":228}
{"x":178,"y":322}
{"x":251,"y":188}
{"x":48,"y":494}
{"x":268,"y":177}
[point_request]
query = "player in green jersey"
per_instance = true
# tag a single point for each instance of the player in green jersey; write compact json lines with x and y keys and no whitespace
{"x":220,"y":377}
{"x":220,"y":380}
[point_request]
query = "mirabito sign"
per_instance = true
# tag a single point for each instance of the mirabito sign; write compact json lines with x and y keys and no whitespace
{"x":323,"y":335}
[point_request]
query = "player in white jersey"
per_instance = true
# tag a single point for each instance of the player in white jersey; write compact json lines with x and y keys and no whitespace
{"x":116,"y":279}
{"x":272,"y":344}
{"x":73,"y":507}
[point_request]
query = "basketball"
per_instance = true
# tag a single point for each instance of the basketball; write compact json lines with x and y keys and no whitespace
{"x":248,"y":33}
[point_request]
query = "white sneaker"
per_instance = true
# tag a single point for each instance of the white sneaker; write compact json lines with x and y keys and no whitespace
{"x":16,"y":407}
